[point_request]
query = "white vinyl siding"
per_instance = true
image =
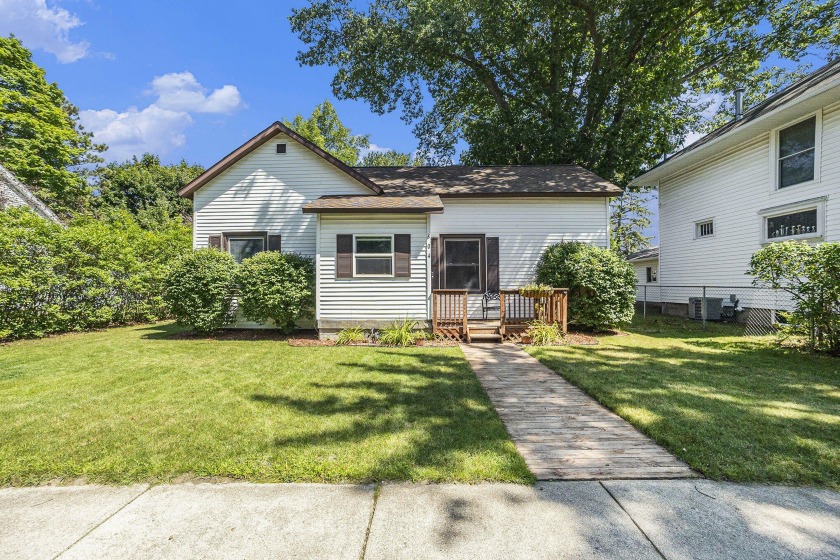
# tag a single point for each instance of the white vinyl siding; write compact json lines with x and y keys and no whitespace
{"x":525,"y":227}
{"x":737,"y":188}
{"x":373,"y":298}
{"x":264,"y":191}
{"x":641,"y":280}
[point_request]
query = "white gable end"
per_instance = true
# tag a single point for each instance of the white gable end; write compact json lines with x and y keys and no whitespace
{"x":264,"y":191}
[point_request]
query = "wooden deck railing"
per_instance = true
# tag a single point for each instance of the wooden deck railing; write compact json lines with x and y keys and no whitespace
{"x":449,"y":314}
{"x":517,"y":311}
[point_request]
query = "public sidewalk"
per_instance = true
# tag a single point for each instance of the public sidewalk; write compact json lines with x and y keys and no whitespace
{"x":611,"y":519}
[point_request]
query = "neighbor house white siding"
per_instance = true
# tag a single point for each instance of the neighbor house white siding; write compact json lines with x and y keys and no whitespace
{"x":646,"y":290}
{"x":372,"y":299}
{"x":733,"y":188}
{"x":265,"y":191}
{"x":525,"y":227}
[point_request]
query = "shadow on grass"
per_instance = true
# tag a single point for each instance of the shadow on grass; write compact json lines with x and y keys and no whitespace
{"x":427,"y":406}
{"x":732,"y":407}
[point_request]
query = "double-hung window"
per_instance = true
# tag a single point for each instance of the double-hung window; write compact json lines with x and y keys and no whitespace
{"x":245,"y":246}
{"x":373,"y":255}
{"x":797,"y":153}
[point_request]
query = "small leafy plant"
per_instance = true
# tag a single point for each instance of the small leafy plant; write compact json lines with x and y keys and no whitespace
{"x":400,"y":334}
{"x":542,"y":333}
{"x":352,"y":335}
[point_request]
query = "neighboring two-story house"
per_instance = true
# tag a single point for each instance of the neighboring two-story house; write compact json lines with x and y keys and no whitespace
{"x":14,"y":194}
{"x":772,"y":174}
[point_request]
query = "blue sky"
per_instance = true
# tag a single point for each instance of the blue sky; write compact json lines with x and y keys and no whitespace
{"x":189,"y":80}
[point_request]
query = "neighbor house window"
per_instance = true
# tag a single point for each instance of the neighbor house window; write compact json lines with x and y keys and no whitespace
{"x":651,"y":274}
{"x":796,"y":224}
{"x":245,"y":246}
{"x":706,"y":228}
{"x":462,"y":263}
{"x":374,"y":255}
{"x":797,"y":153}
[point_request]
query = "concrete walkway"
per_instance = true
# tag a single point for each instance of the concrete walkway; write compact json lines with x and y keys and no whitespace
{"x":671,"y":519}
{"x":560,"y":431}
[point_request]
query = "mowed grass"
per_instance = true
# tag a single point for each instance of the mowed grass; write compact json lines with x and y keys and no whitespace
{"x":734,"y":408}
{"x":135,"y":404}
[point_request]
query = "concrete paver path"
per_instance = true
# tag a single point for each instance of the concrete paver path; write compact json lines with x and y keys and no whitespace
{"x":560,"y":431}
{"x":644,"y":519}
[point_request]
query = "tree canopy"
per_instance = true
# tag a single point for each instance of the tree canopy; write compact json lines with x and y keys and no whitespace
{"x":324,"y":129}
{"x":610,"y":85}
{"x":41,"y":140}
{"x":629,"y":218}
{"x":146,"y":188}
{"x":388,"y":158}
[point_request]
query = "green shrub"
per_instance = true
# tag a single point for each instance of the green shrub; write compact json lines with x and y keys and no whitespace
{"x":602,"y":284}
{"x":542,"y":333}
{"x":87,"y":275}
{"x":200,"y":288}
{"x":352,"y":335}
{"x":811,"y":275}
{"x":400,"y":334}
{"x":277,"y":287}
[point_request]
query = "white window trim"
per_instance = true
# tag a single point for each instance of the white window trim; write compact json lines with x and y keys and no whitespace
{"x":697,"y":228}
{"x":774,"y":153}
{"x":817,"y":204}
{"x":376,"y":255}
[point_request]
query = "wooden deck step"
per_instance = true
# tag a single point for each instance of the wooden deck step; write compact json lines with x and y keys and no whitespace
{"x":485,"y":337}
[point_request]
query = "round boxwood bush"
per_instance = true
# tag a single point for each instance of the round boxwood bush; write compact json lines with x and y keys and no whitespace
{"x":601,"y":283}
{"x":200,"y":288}
{"x":278,"y":287}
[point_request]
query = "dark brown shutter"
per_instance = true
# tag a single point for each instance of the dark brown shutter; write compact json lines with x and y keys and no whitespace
{"x":435,"y":264}
{"x":214,"y":241}
{"x":402,"y":255}
{"x":343,"y":256}
{"x":273,"y":242}
{"x":492,"y":264}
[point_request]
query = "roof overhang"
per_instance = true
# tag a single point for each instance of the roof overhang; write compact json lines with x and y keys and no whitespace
{"x":372,"y":204}
{"x":808,"y":102}
{"x":273,"y":130}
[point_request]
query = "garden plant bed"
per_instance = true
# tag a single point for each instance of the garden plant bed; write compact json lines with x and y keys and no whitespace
{"x":150,"y":403}
{"x":733,"y":407}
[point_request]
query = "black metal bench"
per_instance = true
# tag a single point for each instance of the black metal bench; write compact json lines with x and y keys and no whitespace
{"x":487,"y":303}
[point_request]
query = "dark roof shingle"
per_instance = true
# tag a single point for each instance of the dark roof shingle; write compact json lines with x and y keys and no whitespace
{"x":374,"y":203}
{"x":501,"y":180}
{"x":645,"y":254}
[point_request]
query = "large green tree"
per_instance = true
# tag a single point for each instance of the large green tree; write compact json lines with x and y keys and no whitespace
{"x":324,"y":129}
{"x":146,"y":188}
{"x":41,"y":140}
{"x":389,"y":158}
{"x":629,"y":218}
{"x":608,"y":84}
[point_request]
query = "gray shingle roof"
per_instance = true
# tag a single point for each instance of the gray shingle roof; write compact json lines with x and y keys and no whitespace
{"x":646,"y":254}
{"x":501,"y":180}
{"x":374,"y":203}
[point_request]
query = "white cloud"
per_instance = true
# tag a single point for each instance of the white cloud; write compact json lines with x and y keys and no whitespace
{"x":160,"y":127}
{"x":43,"y":27}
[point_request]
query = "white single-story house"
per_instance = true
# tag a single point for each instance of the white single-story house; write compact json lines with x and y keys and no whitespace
{"x":646,"y":265}
{"x":771,"y":174}
{"x":384,"y":237}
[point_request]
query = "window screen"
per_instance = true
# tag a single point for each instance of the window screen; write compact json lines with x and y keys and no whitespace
{"x":797,"y":148}
{"x":245,"y":247}
{"x":462,"y":260}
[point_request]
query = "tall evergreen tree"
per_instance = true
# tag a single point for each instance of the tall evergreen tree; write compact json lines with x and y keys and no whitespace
{"x":629,"y":218}
{"x":41,"y":140}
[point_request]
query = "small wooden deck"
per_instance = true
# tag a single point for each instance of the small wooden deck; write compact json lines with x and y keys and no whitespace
{"x":562,"y":432}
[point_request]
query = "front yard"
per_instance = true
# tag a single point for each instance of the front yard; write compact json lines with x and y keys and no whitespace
{"x":732,"y":407}
{"x":135,"y":404}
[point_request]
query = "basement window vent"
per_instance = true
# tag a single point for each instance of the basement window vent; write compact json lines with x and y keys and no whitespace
{"x":705,"y":228}
{"x":281,"y":148}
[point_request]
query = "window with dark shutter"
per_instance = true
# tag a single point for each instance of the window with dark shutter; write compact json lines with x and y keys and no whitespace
{"x":214,"y":241}
{"x":492,"y":264}
{"x":402,"y":255}
{"x":435,"y":264}
{"x":274,"y":243}
{"x":344,"y":256}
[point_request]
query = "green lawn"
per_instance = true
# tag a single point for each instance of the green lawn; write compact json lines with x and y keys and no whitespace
{"x":734,"y":408}
{"x":135,"y":404}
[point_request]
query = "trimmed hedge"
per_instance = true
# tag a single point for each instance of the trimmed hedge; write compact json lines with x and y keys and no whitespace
{"x":200,"y":289}
{"x":601,"y":283}
{"x":278,"y":287}
{"x":90,"y":274}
